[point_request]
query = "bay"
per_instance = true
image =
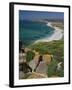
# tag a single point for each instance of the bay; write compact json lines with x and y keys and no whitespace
{"x":30,"y":31}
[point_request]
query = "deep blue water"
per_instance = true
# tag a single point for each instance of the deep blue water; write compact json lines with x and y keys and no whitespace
{"x":30,"y":31}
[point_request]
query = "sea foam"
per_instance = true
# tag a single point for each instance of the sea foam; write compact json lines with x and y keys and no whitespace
{"x":57,"y":35}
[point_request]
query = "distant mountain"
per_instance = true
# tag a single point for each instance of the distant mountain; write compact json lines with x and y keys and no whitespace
{"x":44,"y":20}
{"x":54,"y":20}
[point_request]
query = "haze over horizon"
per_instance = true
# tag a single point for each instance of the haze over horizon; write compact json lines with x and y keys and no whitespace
{"x":40,"y":15}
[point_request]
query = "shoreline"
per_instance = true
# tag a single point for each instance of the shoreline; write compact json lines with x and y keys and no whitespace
{"x":57,"y":35}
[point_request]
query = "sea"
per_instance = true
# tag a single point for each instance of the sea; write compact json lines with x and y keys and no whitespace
{"x":31,"y":31}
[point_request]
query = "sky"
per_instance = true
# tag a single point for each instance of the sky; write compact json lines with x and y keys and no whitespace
{"x":38,"y":15}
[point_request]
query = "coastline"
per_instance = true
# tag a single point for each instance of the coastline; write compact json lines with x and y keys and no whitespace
{"x":57,"y":35}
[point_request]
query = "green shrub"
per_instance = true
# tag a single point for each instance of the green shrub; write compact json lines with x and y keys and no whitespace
{"x":29,"y":56}
{"x":52,"y":68}
{"x":60,"y":73}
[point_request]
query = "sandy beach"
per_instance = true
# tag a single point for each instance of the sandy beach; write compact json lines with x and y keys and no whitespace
{"x":58,"y":34}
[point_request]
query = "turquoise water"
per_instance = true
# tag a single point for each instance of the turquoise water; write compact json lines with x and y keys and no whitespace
{"x":30,"y":31}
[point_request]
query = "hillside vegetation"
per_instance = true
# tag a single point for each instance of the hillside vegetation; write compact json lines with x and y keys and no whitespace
{"x":55,"y":48}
